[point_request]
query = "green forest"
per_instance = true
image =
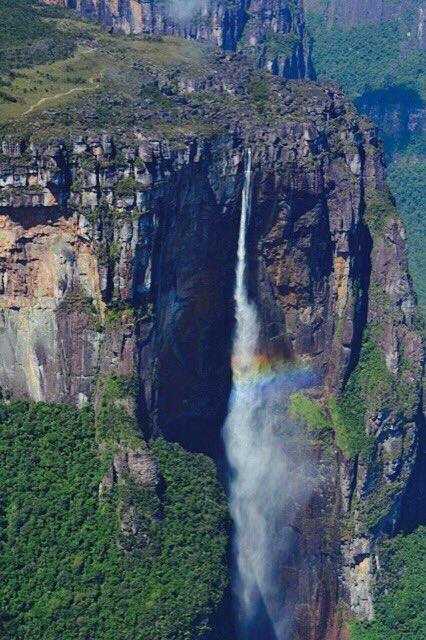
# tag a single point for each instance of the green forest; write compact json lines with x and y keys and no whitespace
{"x":29,"y":34}
{"x":65,"y":573}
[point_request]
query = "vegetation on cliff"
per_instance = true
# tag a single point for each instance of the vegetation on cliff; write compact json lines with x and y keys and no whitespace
{"x":314,"y":418}
{"x":408,"y":180}
{"x":368,"y":389}
{"x":63,"y":573}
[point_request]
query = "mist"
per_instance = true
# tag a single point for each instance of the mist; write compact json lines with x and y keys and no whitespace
{"x":269,"y":478}
{"x":185,"y":9}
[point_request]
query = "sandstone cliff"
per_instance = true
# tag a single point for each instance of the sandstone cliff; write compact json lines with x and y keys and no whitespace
{"x":377,"y":51}
{"x":271,"y":31}
{"x":118,"y":237}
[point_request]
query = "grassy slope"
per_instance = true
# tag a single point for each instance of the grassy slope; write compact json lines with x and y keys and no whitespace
{"x":40,"y":56}
{"x":52,"y":84}
{"x":110,"y":82}
{"x":378,"y":63}
{"x":49,"y":59}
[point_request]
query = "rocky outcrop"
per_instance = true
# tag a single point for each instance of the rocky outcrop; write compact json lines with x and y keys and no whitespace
{"x":117,"y":253}
{"x":132,"y":468}
{"x":271,"y":31}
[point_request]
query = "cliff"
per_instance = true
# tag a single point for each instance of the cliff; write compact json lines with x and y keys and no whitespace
{"x":376,"y":50}
{"x":270,"y":31}
{"x":120,"y":212}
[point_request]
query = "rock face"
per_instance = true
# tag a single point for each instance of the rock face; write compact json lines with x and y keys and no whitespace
{"x":117,"y":252}
{"x":394,"y":101}
{"x":271,"y":31}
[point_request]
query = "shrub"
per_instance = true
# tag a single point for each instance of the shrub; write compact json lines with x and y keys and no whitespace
{"x":127,"y":187}
{"x":369,"y":388}
{"x":315,"y":421}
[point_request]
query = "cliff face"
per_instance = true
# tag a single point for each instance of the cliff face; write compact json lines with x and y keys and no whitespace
{"x":375,"y":50}
{"x":117,"y":253}
{"x":270,"y":31}
{"x":321,"y":296}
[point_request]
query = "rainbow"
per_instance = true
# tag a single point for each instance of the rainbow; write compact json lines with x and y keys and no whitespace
{"x":265,"y":371}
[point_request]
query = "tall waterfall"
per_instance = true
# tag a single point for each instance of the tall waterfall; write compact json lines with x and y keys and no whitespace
{"x":263,"y":487}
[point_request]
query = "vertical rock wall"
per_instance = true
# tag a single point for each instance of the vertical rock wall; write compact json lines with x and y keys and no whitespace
{"x":271,"y":31}
{"x":117,"y":255}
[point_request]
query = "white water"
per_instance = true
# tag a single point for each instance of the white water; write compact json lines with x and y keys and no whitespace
{"x":185,"y":9}
{"x":264,"y":489}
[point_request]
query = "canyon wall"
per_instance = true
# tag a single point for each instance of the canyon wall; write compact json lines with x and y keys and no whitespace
{"x":117,"y":252}
{"x":377,"y":52}
{"x":270,"y":31}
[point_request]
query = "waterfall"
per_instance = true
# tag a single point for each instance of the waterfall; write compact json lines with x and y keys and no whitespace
{"x":247,"y":334}
{"x":263,"y":486}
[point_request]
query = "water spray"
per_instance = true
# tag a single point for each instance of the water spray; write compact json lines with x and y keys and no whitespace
{"x":184,"y":9}
{"x":264,"y":487}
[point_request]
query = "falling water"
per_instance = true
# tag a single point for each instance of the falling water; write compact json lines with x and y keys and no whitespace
{"x":264,"y":489}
